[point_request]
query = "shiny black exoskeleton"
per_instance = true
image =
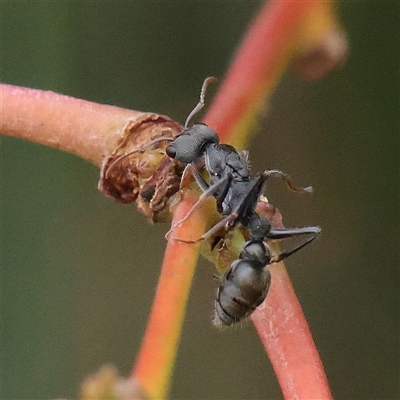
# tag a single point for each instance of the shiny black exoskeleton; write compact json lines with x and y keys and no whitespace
{"x":230,"y":182}
{"x":245,"y":284}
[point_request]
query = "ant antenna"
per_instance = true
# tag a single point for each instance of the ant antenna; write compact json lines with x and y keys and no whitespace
{"x":281,"y":175}
{"x":200,"y":104}
{"x":198,"y":107}
{"x":141,"y":149}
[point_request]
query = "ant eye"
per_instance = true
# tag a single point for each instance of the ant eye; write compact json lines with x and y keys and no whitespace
{"x":171,"y":151}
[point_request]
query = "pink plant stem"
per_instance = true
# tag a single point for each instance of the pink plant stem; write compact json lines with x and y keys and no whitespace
{"x":267,"y":49}
{"x":278,"y":34}
{"x":69,"y":124}
{"x":260,"y":59}
{"x":154,"y":364}
{"x":284,"y":332}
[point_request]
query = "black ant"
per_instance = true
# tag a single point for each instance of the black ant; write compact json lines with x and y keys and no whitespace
{"x":245,"y":284}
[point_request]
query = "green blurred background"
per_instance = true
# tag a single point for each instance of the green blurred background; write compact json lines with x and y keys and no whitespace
{"x":79,"y":271}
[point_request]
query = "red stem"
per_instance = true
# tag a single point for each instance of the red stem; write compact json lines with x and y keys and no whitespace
{"x":259,"y":60}
{"x":154,"y":363}
{"x":77,"y":126}
{"x":280,"y":321}
{"x":284,"y":332}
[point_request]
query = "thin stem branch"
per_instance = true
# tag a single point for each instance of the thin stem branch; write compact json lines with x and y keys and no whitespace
{"x":73,"y":125}
{"x":281,"y":33}
{"x":284,"y":332}
{"x":154,"y":364}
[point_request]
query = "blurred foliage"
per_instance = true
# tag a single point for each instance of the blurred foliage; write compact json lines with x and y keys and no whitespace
{"x":79,"y":271}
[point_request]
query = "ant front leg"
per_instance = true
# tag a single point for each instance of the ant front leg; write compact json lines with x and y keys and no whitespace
{"x":191,"y":170}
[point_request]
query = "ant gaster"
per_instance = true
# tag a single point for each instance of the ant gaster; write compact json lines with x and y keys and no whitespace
{"x":245,"y":284}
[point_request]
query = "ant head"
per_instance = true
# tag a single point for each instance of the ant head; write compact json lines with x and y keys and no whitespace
{"x":188,"y":147}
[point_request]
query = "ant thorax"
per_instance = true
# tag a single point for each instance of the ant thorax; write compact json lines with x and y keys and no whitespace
{"x":223,"y":160}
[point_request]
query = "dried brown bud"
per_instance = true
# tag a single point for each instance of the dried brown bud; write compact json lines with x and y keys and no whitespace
{"x":137,"y":171}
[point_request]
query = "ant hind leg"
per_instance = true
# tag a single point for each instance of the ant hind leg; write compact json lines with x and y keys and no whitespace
{"x":210,"y":190}
{"x":276,"y":234}
{"x":293,"y":250}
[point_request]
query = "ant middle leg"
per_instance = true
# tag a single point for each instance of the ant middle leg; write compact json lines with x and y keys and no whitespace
{"x":216,"y":228}
{"x":209,"y":191}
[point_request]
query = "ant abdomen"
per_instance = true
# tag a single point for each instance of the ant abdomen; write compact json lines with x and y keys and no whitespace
{"x":244,"y":285}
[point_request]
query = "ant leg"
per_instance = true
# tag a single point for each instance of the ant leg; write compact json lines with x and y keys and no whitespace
{"x":139,"y":150}
{"x":221,"y":224}
{"x":277,"y":234}
{"x":191,"y":170}
{"x":281,"y":175}
{"x":232,"y":219}
{"x":293,"y":250}
{"x":207,"y":193}
{"x":200,"y":104}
